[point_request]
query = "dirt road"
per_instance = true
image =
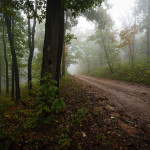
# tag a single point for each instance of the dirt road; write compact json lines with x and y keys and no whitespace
{"x":132,"y":99}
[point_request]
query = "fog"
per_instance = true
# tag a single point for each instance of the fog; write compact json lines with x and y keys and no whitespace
{"x":110,"y":37}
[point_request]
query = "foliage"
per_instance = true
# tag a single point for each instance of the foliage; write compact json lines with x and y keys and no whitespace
{"x":68,"y":38}
{"x":48,"y":101}
{"x":128,"y":40}
{"x":127,"y":36}
{"x":4,"y":104}
{"x":80,"y":116}
{"x":80,"y":5}
{"x":139,"y":74}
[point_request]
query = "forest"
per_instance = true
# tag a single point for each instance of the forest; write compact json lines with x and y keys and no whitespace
{"x":74,"y":74}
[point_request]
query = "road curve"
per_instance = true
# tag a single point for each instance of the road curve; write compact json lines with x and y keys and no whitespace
{"x":134,"y":99}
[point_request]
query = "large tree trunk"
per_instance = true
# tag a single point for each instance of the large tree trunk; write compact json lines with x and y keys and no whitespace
{"x":6,"y":61}
{"x":9,"y":24}
{"x":54,"y":36}
{"x":31,"y":47}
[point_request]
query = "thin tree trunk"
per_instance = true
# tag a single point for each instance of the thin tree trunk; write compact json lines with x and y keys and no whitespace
{"x":31,"y":47}
{"x":88,"y":66}
{"x":148,"y":46}
{"x":6,"y":61}
{"x":10,"y":24}
{"x":0,"y":76}
{"x":148,"y":31}
{"x":12,"y":82}
{"x":29,"y":60}
{"x":107,"y":56}
{"x":64,"y":57}
{"x":100,"y":61}
{"x":53,"y":43}
{"x":63,"y":65}
{"x":131,"y":52}
{"x":12,"y":69}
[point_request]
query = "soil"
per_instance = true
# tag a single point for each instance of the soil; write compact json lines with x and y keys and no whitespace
{"x":100,"y":114}
{"x":128,"y":103}
{"x":133,"y":99}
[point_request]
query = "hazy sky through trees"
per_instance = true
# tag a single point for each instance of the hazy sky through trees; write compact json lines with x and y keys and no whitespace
{"x":120,"y":11}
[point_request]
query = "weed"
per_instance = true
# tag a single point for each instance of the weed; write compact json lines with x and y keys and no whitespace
{"x":102,"y":138}
{"x":47,"y":101}
{"x":64,"y":140}
{"x":80,"y":116}
{"x":95,"y":112}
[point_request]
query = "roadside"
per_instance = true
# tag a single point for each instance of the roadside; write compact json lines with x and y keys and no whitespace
{"x":88,"y":122}
{"x":133,"y":99}
{"x":122,"y":131}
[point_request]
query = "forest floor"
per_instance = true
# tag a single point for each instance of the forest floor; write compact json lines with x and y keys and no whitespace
{"x":128,"y":104}
{"x":93,"y":119}
{"x":119,"y":112}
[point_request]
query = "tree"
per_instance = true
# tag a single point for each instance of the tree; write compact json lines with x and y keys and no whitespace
{"x":0,"y":75}
{"x":127,"y":37}
{"x":105,"y":35}
{"x":54,"y":32}
{"x":63,"y":55}
{"x":6,"y":61}
{"x":5,"y":54}
{"x":70,"y":22}
{"x":15,"y":72}
{"x":54,"y":36}
{"x":143,"y":8}
{"x":31,"y":46}
{"x":9,"y":12}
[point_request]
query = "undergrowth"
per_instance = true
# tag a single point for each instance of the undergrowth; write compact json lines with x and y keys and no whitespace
{"x":38,"y":107}
{"x":140,"y":73}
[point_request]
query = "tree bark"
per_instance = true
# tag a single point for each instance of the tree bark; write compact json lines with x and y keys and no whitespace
{"x":29,"y":60}
{"x":10,"y":23}
{"x":12,"y":82}
{"x":31,"y":47}
{"x":6,"y":61}
{"x":64,"y":57}
{"x":107,"y":56}
{"x":148,"y":31}
{"x":54,"y":37}
{"x":148,"y":46}
{"x":131,"y":53}
{"x":100,"y":61}
{"x":88,"y":69}
{"x":63,"y":65}
{"x":0,"y":77}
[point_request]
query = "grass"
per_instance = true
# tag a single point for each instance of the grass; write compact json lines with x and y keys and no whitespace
{"x":140,"y":73}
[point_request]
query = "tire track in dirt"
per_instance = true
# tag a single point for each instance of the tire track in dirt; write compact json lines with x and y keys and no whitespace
{"x":134,"y":99}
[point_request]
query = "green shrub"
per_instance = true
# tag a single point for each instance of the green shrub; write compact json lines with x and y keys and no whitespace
{"x":80,"y":116}
{"x":140,"y":73}
{"x":48,"y":101}
{"x":5,"y":103}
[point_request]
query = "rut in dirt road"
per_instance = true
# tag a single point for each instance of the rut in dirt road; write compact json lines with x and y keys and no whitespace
{"x":134,"y":99}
